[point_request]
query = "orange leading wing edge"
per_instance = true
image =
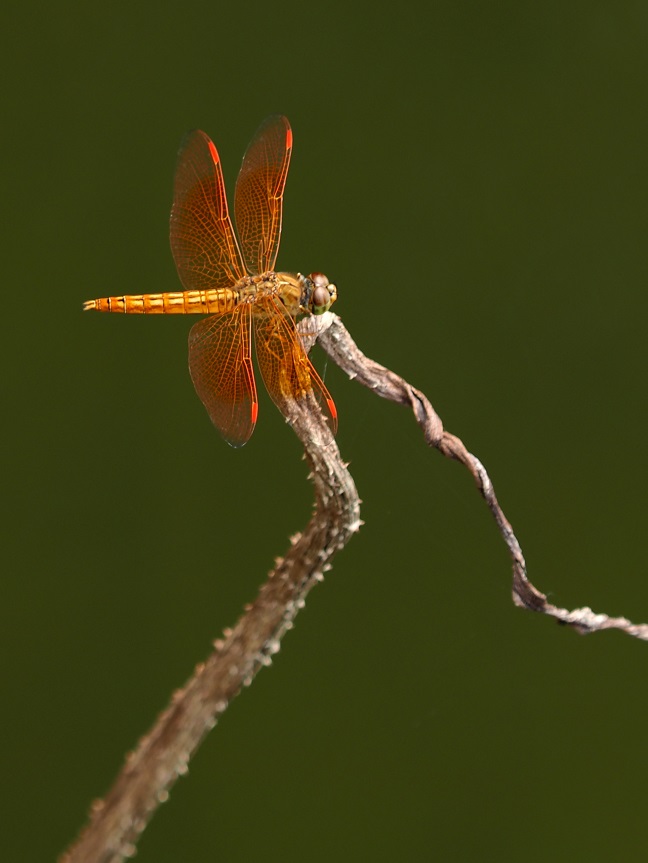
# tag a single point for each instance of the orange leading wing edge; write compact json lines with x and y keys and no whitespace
{"x":258,"y":199}
{"x":203,"y":242}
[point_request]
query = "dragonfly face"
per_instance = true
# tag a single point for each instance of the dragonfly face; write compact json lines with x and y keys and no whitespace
{"x":234,"y":281}
{"x":317,"y":293}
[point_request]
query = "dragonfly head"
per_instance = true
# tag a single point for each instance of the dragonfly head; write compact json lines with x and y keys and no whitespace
{"x":318,"y":293}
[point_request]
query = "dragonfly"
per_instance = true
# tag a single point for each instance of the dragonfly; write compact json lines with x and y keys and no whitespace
{"x":233,"y":280}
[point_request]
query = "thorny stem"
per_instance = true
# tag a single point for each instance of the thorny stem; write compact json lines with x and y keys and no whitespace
{"x":117,"y":821}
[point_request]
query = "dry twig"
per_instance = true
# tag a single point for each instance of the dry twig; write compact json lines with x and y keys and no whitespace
{"x":117,"y":821}
{"x":339,"y":345}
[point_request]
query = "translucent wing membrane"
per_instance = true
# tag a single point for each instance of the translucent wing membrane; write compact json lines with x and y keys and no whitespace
{"x":259,"y":193}
{"x":220,"y":363}
{"x":286,"y":370}
{"x":202,"y":238}
{"x":207,"y":256}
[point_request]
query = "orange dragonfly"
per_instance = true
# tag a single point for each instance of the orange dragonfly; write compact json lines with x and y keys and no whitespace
{"x":234,"y":281}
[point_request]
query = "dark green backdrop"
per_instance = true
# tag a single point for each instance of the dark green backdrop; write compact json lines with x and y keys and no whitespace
{"x":473,"y":178}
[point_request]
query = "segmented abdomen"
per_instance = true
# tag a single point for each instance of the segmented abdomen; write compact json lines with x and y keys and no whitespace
{"x":211,"y":302}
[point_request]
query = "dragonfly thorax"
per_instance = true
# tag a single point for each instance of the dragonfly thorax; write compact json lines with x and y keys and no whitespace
{"x":297,"y":293}
{"x":283,"y":287}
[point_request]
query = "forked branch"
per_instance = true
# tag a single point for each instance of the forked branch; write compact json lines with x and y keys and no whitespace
{"x":117,"y":821}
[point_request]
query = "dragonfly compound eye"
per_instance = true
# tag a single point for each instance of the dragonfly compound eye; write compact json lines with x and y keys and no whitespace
{"x":324,"y":293}
{"x":321,"y":300}
{"x":319,"y":280}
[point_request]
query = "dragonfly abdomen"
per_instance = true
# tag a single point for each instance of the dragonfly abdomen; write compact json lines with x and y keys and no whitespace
{"x":210,"y":302}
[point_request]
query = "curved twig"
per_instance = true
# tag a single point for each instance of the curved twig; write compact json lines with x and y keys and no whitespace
{"x":339,"y":345}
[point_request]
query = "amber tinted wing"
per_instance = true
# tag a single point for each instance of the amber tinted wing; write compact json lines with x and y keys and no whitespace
{"x":259,"y":193}
{"x":220,"y":363}
{"x":202,"y":238}
{"x":286,"y":370}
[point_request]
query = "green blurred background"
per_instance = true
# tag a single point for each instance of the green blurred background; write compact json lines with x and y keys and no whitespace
{"x":472,"y":176}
